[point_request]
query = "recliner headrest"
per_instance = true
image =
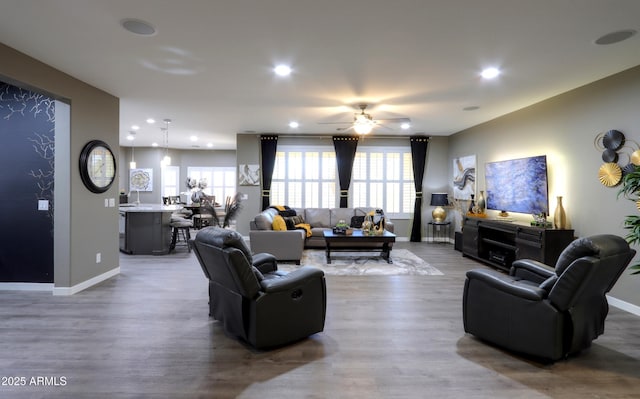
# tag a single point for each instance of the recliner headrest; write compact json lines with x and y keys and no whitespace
{"x":224,"y":238}
{"x":602,"y":245}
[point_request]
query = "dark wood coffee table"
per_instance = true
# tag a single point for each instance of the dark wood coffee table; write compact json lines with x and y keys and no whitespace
{"x":355,"y":241}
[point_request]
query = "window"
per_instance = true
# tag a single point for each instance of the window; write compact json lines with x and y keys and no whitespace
{"x":383,"y":178}
{"x":170,"y":181}
{"x":220,"y":181}
{"x":304,"y":178}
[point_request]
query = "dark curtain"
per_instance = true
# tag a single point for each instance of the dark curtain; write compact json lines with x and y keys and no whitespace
{"x":345,"y":147}
{"x":418,"y":156}
{"x":268,"y":145}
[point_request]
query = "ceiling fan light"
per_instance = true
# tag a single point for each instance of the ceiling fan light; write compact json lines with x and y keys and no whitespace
{"x":362,"y":128}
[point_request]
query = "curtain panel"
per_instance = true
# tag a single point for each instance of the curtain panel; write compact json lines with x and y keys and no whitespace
{"x":268,"y":146}
{"x":418,"y":156}
{"x":345,"y":147}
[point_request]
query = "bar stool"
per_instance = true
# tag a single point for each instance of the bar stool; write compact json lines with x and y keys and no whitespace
{"x":181,"y":231}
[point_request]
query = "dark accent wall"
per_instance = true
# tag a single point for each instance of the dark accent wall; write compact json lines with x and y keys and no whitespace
{"x":27,"y":163}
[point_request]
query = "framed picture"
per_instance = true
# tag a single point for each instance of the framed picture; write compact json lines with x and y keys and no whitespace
{"x":141,"y":180}
{"x":249,"y":175}
{"x":464,"y":177}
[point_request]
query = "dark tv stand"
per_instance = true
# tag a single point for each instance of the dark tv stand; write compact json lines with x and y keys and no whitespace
{"x":499,"y":243}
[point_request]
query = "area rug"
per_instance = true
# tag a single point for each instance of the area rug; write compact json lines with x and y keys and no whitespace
{"x":405,"y":262}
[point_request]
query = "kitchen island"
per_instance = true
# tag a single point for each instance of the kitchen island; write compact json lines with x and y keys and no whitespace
{"x":145,"y":228}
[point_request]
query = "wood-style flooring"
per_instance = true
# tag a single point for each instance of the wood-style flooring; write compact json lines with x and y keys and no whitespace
{"x":146,"y":333}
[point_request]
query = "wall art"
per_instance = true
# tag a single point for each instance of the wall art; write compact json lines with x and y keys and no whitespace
{"x":249,"y":175}
{"x":464,"y":177}
{"x":141,"y":180}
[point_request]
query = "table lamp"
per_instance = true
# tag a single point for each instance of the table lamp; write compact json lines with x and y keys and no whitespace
{"x":439,"y":200}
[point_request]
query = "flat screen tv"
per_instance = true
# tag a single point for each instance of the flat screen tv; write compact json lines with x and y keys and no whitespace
{"x":518,"y":185}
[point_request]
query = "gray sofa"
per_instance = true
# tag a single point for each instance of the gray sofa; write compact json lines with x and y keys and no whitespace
{"x":288,"y":245}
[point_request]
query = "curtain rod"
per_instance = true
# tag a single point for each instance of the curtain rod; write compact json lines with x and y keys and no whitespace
{"x":313,"y":136}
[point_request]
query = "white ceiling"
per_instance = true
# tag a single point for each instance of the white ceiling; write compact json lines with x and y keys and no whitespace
{"x":209,"y":66}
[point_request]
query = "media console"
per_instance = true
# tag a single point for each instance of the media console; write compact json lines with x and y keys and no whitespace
{"x":499,"y":243}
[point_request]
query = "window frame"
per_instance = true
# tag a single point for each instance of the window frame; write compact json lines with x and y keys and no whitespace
{"x":300,"y":185}
{"x":406,"y":185}
{"x":405,"y":189}
{"x":229,"y":189}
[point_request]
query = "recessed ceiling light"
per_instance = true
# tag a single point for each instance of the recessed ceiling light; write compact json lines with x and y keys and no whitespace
{"x":151,"y":121}
{"x":405,"y":126}
{"x":282,"y":70}
{"x":293,"y":124}
{"x":154,"y":144}
{"x":490,"y":73}
{"x":209,"y":145}
{"x":137,"y":26}
{"x":135,"y":127}
{"x":130,"y":137}
{"x":193,"y":138}
{"x":615,"y":37}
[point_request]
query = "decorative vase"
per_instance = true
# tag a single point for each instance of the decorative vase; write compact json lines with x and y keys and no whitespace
{"x":559,"y":217}
{"x":196,"y":196}
{"x":482,"y":204}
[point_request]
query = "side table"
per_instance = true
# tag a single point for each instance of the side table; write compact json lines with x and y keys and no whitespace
{"x":439,"y":231}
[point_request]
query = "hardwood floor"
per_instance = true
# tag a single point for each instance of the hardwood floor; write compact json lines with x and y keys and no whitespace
{"x":146,"y":334}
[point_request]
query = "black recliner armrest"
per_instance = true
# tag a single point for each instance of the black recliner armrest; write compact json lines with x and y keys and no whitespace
{"x":531,"y":270}
{"x":507,"y":284}
{"x":265,"y":262}
{"x":292,"y":279}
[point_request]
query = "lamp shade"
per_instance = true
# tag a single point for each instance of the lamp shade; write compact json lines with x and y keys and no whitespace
{"x":439,"y":199}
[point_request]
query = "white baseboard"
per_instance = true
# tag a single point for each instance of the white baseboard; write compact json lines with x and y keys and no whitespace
{"x":86,"y":284}
{"x":26,"y":287}
{"x":622,"y":305}
{"x":441,"y":241}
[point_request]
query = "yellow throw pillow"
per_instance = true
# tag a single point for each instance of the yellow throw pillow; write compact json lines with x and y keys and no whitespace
{"x":279,"y":223}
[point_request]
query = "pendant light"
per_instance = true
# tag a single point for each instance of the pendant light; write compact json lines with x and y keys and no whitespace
{"x":166,"y":161}
{"x":132,"y":136}
{"x":132,"y":164}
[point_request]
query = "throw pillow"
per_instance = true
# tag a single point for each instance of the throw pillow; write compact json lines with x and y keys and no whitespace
{"x":293,"y":221}
{"x":279,"y":223}
{"x":356,"y":221}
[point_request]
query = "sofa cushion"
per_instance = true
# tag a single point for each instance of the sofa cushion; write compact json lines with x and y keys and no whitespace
{"x":318,"y":231}
{"x":338,"y":214}
{"x":318,"y":217}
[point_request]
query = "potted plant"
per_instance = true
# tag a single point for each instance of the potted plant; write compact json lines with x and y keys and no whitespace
{"x":630,"y":189}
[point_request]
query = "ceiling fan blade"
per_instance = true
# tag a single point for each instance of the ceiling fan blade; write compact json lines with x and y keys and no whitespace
{"x":395,"y":120}
{"x":344,"y":129}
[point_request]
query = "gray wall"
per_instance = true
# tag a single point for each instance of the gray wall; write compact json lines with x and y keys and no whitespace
{"x":564,"y":129}
{"x":89,"y":227}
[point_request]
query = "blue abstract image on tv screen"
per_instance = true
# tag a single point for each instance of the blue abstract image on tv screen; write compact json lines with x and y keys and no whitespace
{"x":518,"y":185}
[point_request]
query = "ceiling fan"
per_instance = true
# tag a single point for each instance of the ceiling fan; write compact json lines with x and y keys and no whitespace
{"x":363,"y":123}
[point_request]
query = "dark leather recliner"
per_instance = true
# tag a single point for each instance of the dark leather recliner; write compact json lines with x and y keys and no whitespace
{"x":251,"y":298}
{"x":544,"y":312}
